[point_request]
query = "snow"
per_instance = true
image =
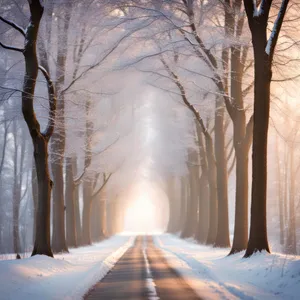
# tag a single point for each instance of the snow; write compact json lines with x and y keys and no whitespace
{"x":68,"y":276}
{"x":209,"y":271}
{"x":276,"y":28}
{"x":214,"y":275}
{"x":257,"y":11}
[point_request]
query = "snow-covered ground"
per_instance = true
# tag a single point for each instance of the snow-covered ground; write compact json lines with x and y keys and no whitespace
{"x":214,"y":275}
{"x":209,"y":271}
{"x":68,"y":276}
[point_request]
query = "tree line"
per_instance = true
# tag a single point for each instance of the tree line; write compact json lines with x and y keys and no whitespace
{"x":193,"y":45}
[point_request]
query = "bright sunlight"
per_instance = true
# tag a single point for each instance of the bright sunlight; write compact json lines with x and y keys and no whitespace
{"x":147,"y":208}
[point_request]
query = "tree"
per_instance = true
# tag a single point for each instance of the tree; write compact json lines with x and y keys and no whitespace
{"x":71,"y":191}
{"x":202,"y":228}
{"x":279,"y":194}
{"x":99,"y":215}
{"x":40,"y":139}
{"x":235,"y":56}
{"x":211,"y":162}
{"x":264,"y":48}
{"x":88,"y":197}
{"x":191,"y":223}
{"x":18,"y":193}
{"x":58,"y":140}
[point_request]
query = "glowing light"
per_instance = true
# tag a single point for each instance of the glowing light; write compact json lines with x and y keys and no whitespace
{"x":140,"y":215}
{"x":146,"y":209}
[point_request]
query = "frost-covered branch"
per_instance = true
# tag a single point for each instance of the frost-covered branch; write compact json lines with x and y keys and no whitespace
{"x":13,"y":25}
{"x":191,"y":107}
{"x":270,"y":48}
{"x":11,"y":48}
{"x":105,"y":181}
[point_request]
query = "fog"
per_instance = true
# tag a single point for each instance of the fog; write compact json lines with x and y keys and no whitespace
{"x":138,"y":102}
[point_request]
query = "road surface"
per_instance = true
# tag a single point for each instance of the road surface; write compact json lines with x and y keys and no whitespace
{"x":142,"y":273}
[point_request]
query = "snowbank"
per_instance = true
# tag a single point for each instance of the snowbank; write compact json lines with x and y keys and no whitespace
{"x":68,"y":276}
{"x":214,"y":275}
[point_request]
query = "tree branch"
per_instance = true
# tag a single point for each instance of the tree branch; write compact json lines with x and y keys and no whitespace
{"x":175,"y":79}
{"x":11,"y":48}
{"x":106,"y":179}
{"x":250,"y":10}
{"x":14,"y":25}
{"x":270,"y":48}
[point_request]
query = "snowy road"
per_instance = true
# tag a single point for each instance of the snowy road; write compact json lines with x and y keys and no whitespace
{"x":142,"y":273}
{"x":129,"y":267}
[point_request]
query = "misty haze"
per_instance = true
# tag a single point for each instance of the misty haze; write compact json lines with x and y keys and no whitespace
{"x":149,"y":149}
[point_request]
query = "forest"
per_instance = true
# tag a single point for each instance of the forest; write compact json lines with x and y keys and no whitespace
{"x":178,"y":117}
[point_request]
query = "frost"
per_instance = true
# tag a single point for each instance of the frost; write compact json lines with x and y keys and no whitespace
{"x":275,"y":29}
{"x":257,"y":11}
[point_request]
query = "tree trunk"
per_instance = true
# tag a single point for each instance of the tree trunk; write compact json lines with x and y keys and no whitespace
{"x":58,"y":141}
{"x":240,"y":237}
{"x":40,"y":140}
{"x":16,"y":210}
{"x":113,"y":217}
{"x":78,"y":227}
{"x":258,"y":239}
{"x":285,"y":195}
{"x":17,"y":189}
{"x":42,"y":231}
{"x":241,"y":145}
{"x":176,"y":210}
{"x":241,"y":141}
{"x":78,"y":221}
{"x":86,"y":216}
{"x":58,"y":234}
{"x":213,"y":202}
{"x":103,"y":214}
{"x":192,"y":212}
{"x":2,"y":160}
{"x":86,"y":224}
{"x":187,"y":206}
{"x":98,"y":219}
{"x":109,"y":225}
{"x":203,"y":219}
{"x":173,"y":225}
{"x":170,"y":193}
{"x":70,"y":204}
{"x":95,"y":221}
{"x":279,"y":195}
{"x":183,"y":203}
{"x":291,"y":245}
{"x":222,"y":237}
{"x":35,"y":191}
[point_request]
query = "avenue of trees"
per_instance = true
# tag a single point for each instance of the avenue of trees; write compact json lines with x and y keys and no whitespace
{"x":71,"y":138}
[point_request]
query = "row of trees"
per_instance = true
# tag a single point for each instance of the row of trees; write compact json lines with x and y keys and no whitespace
{"x":52,"y":47}
{"x":198,"y":52}
{"x":227,"y":65}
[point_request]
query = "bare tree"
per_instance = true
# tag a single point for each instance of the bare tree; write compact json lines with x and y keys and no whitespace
{"x":40,"y":139}
{"x":19,"y":178}
{"x":89,"y":195}
{"x":58,"y":140}
{"x":264,"y":49}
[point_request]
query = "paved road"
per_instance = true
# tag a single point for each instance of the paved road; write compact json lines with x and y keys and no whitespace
{"x":142,"y":273}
